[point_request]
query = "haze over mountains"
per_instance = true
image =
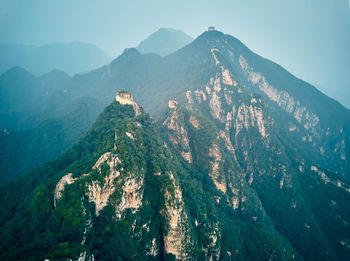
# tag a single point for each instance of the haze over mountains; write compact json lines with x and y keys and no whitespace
{"x":36,"y":125}
{"x":238,"y":160}
{"x":75,"y":57}
{"x":165,"y":41}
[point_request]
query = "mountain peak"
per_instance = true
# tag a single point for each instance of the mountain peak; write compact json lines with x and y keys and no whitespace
{"x":164,"y":41}
{"x":55,"y":73}
{"x":125,"y":98}
{"x":131,"y":52}
{"x":211,"y":34}
{"x":168,"y":30}
{"x":17,"y":70}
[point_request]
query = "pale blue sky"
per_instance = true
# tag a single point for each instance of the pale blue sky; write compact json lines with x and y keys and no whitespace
{"x":310,"y":38}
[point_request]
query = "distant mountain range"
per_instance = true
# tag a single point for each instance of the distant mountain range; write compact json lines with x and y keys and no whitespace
{"x":75,"y":57}
{"x":317,"y":125}
{"x":36,"y":114}
{"x":165,"y":41}
{"x":237,"y":160}
{"x":22,"y":95}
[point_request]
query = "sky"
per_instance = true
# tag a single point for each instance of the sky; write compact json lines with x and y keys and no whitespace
{"x":310,"y":38}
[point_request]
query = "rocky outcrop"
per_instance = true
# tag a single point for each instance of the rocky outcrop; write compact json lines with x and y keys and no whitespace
{"x":194,"y":121}
{"x":250,"y":116}
{"x":228,"y":144}
{"x":131,"y":185}
{"x":111,"y":159}
{"x":333,"y":181}
{"x":96,"y":192}
{"x":214,"y":172}
{"x":84,"y":256}
{"x":225,"y":73}
{"x":321,"y":140}
{"x":65,"y":180}
{"x":177,"y":240}
{"x":213,"y":249}
{"x":283,"y":99}
{"x":177,"y":133}
{"x":131,"y":194}
{"x":100,"y":193}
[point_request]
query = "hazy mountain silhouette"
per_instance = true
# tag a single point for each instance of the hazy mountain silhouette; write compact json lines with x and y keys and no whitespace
{"x":74,"y":57}
{"x":164,"y":41}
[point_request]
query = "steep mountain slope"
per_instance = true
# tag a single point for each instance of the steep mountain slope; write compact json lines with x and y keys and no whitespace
{"x":317,"y":126}
{"x":280,"y":177}
{"x":75,"y":57}
{"x":121,"y":193}
{"x":246,"y":164}
{"x":165,"y":41}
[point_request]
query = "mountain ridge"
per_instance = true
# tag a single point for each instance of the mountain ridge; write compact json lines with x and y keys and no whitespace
{"x":123,"y":191}
{"x":164,"y":41}
{"x":42,"y":59}
{"x":169,"y":78}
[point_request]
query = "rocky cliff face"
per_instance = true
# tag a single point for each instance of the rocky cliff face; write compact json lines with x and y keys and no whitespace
{"x":120,"y":182}
{"x":303,"y":124}
{"x":177,"y":133}
{"x":245,"y":132}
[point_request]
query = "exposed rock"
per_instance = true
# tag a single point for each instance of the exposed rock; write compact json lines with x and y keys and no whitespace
{"x":96,"y":193}
{"x":189,"y":97}
{"x":99,"y":194}
{"x":177,"y":238}
{"x":200,"y":96}
{"x":334,"y":181}
{"x":214,"y":172}
{"x":228,"y":99}
{"x":178,"y":134}
{"x":187,"y":156}
{"x":172,"y":104}
{"x":213,"y":249}
{"x":292,"y":128}
{"x":227,"y":141}
{"x":250,"y":116}
{"x":130,"y":135}
{"x":225,"y":73}
{"x":85,"y":257}
{"x":215,"y":106}
{"x":308,"y":119}
{"x":226,"y":77}
{"x":132,"y":194}
{"x":235,"y":203}
{"x":65,"y":180}
{"x":195,"y":123}
{"x":111,"y":159}
{"x":153,"y":251}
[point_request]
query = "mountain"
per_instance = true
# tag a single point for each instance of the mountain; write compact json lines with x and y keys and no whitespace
{"x":305,"y":119}
{"x":22,"y":95}
{"x":339,"y":91}
{"x":35,"y":125}
{"x":74,"y":57}
{"x":164,"y":41}
{"x":315,"y":124}
{"x":192,"y":188}
{"x":24,"y":150}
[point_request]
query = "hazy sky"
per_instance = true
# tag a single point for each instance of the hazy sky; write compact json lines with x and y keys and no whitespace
{"x":310,"y":38}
